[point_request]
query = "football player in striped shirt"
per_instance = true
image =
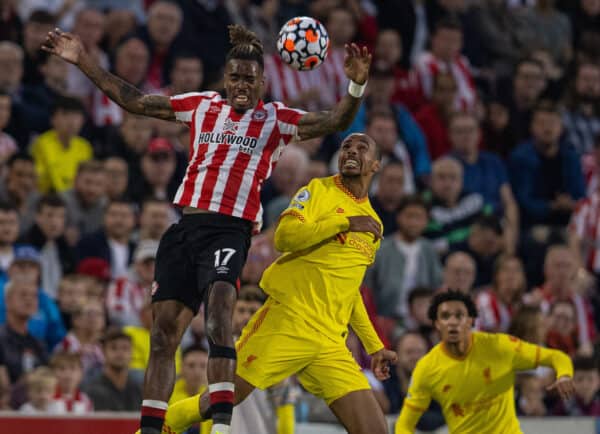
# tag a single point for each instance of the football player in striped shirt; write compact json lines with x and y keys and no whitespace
{"x":235,"y":143}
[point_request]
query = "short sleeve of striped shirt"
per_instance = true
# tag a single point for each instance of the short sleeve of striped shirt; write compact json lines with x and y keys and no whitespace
{"x":287,"y":120}
{"x":184,"y":104}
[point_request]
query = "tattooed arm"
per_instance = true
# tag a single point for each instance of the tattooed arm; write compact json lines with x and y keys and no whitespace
{"x":70,"y":48}
{"x":316,"y":124}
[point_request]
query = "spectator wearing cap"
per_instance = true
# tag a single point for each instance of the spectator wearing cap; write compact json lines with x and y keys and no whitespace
{"x":9,"y":232}
{"x":113,"y":242}
{"x":484,"y":244}
{"x":484,"y":173}
{"x":46,"y":324}
{"x":48,"y":236}
{"x":87,"y":199}
{"x":158,"y":166}
{"x":20,"y":188}
{"x":58,"y":152}
{"x":115,"y":389}
{"x":545,"y":172}
{"x":20,"y":351}
{"x":84,"y":338}
{"x":127,"y":294}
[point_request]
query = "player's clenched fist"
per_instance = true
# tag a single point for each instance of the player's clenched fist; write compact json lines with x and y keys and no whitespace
{"x":365,"y":223}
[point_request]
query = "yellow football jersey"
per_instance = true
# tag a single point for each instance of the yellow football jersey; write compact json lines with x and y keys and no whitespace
{"x":476,"y":392}
{"x":319,"y":277}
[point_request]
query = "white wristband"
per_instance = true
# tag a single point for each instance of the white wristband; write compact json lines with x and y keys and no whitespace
{"x":356,"y":90}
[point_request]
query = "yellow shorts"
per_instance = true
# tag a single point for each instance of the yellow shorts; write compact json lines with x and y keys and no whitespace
{"x":276,"y":344}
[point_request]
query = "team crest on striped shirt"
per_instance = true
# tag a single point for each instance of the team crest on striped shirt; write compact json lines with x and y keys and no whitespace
{"x":259,"y":115}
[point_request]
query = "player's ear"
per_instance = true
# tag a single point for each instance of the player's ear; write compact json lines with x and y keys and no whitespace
{"x":375,"y":166}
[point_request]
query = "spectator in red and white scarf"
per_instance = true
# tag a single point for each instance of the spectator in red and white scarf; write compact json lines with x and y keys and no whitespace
{"x":68,"y":369}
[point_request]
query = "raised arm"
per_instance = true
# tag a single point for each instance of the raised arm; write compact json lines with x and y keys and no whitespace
{"x":317,"y":124}
{"x":68,"y":47}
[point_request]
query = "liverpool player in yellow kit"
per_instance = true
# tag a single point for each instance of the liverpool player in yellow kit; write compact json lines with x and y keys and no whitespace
{"x":329,"y":235}
{"x":472,"y":374}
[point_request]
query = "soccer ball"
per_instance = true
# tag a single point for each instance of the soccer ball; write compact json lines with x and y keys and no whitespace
{"x":302,"y":43}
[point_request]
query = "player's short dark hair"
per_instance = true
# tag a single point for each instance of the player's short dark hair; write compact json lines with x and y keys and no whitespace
{"x":449,"y":23}
{"x":419,"y":292}
{"x":412,"y":200}
{"x":490,"y":222}
{"x":245,"y":45}
{"x":585,"y":363}
{"x":196,"y":348}
{"x":114,"y":333}
{"x":52,"y":200}
{"x":451,"y":295}
{"x":6,"y":206}
{"x":68,"y":104}
{"x":251,"y":293}
{"x":19,"y":156}
{"x":41,"y":16}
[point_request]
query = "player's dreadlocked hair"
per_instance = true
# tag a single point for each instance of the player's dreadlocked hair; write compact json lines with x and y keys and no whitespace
{"x":451,"y":295}
{"x":245,"y":45}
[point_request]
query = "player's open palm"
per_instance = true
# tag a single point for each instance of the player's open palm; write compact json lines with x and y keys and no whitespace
{"x":365,"y":223}
{"x":380,"y":363}
{"x":64,"y":45}
{"x":564,"y":386}
{"x":356,"y":63}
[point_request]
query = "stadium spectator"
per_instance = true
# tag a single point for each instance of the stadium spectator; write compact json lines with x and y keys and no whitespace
{"x":410,"y":347}
{"x":261,"y":18}
{"x":560,"y":268}
{"x":48,"y":236}
{"x":114,"y":389}
{"x":581,"y":117}
{"x":46,"y":324}
{"x":484,"y":244}
{"x":11,"y":60}
{"x":527,"y":86}
{"x":498,"y":137}
{"x":562,"y":333}
{"x":586,"y":401}
{"x":452,"y":211}
{"x":89,"y":26}
{"x":194,"y":360}
{"x":68,"y":397}
{"x":20,"y":352}
{"x":404,"y":261}
{"x":58,"y":152}
{"x":117,"y":177}
{"x":8,"y":145}
{"x":155,"y":217}
{"x":584,"y":20}
{"x":113,"y":242}
{"x":445,"y":58}
{"x":41,"y":385}
{"x":72,"y":295}
{"x":498,"y":304}
{"x":127,"y":295}
{"x":9,"y":232}
{"x":419,"y":300}
{"x":20,"y":188}
{"x":484,"y":173}
{"x":545,"y":172}
{"x":459,"y":272}
{"x":54,"y":84}
{"x":262,"y":253}
{"x":407,"y":86}
{"x":530,"y":401}
{"x":86,"y":201}
{"x":35,"y":30}
{"x":388,"y":194}
{"x":187,"y":74}
{"x":5,"y":390}
{"x":158,"y":166}
{"x":433,"y":117}
{"x":84,"y":338}
{"x":163,"y":24}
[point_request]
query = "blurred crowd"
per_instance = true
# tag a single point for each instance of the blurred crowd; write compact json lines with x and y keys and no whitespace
{"x":488,"y":116}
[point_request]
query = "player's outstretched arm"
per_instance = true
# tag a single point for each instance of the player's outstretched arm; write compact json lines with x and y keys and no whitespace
{"x":68,"y":47}
{"x":317,"y":124}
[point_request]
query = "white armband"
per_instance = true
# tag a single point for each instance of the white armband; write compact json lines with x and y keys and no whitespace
{"x":356,"y":90}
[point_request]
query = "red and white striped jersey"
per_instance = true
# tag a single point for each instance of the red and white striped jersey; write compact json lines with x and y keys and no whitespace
{"x":493,"y":314}
{"x":428,"y":66}
{"x":333,"y":77}
{"x":78,"y":403}
{"x":585,"y":223}
{"x":231,"y":154}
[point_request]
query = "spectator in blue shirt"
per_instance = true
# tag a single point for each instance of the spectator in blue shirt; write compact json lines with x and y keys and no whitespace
{"x":46,"y":324}
{"x":545,"y":172}
{"x":484,"y":173}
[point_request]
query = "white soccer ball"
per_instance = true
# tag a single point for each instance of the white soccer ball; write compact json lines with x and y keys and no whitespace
{"x":303,"y":43}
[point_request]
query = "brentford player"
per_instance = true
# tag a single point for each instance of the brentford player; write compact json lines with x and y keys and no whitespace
{"x":235,"y":142}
